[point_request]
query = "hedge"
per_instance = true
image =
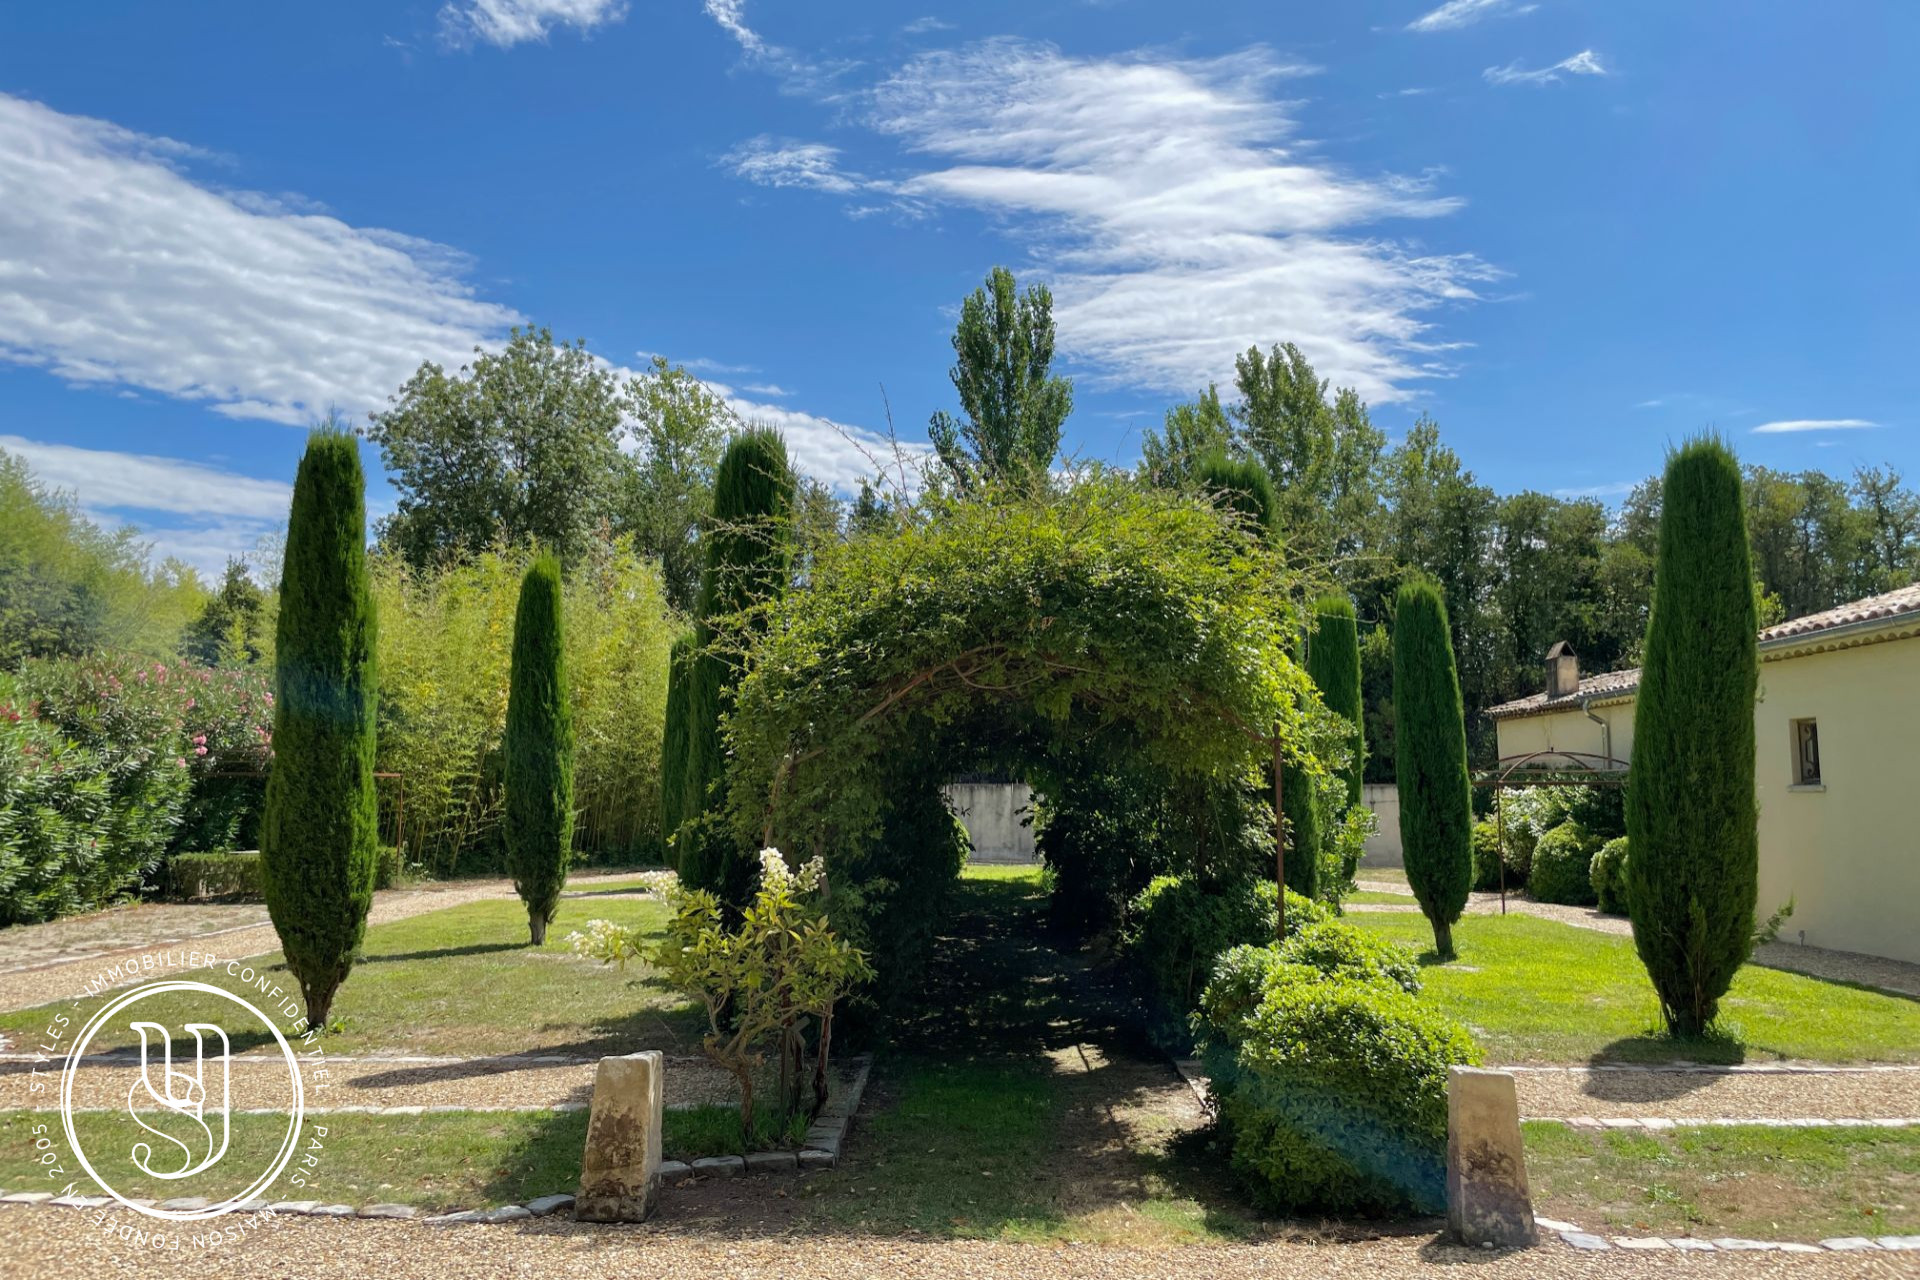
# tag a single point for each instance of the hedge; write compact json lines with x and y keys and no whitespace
{"x":1607,"y":873}
{"x":1561,"y":862}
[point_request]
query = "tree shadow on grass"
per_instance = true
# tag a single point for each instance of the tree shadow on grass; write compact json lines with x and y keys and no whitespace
{"x":1655,"y":1048}
{"x":442,"y":953}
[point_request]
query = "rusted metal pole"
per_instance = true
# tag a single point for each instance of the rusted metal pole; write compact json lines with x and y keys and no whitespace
{"x":1279,"y":848}
{"x":1500,"y":838}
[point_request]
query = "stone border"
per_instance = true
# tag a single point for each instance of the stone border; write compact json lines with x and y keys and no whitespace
{"x":820,"y":1149}
{"x":1658,"y":1124}
{"x":1587,"y":1241}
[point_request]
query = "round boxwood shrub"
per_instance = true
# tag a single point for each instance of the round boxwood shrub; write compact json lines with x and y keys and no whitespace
{"x":1486,"y":856}
{"x":1333,"y":1089}
{"x":1341,"y":950}
{"x":1560,"y":863}
{"x":1608,"y":875}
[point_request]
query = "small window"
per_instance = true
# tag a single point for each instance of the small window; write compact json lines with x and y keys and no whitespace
{"x":1806,"y":753}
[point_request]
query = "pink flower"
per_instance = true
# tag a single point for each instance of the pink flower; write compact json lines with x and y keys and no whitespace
{"x":199,"y":739}
{"x":199,"y":751}
{"x":181,"y":761}
{"x":192,"y":703}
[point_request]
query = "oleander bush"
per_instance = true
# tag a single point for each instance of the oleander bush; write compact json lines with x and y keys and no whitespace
{"x":1332,"y":1087}
{"x":1561,"y":863}
{"x":1607,"y":873}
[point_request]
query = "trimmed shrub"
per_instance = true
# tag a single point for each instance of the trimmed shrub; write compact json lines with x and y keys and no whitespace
{"x":1341,"y":950}
{"x":317,"y":837}
{"x":1430,"y":748}
{"x":673,"y":745}
{"x":1560,"y":863}
{"x":1333,"y":663}
{"x":1607,"y":874}
{"x":1176,"y":928}
{"x":1486,"y":857}
{"x":539,"y":750}
{"x":1241,"y":486}
{"x":1332,"y":1088}
{"x":749,"y":549}
{"x":214,"y":875}
{"x":1301,"y":807}
{"x":1693,"y":879}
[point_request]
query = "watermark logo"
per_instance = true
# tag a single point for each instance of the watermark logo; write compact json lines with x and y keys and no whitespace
{"x":172,"y":1124}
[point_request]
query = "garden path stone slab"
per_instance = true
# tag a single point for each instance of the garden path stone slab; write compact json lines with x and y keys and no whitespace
{"x":553,"y":1204}
{"x":620,"y":1173}
{"x":1488,"y":1201}
{"x":719,"y":1166}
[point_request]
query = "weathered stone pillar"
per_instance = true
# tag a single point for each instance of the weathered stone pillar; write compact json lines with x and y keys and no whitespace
{"x":621,"y":1173}
{"x":1487,"y":1197}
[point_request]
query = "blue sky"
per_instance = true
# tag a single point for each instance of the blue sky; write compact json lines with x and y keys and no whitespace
{"x":1571,"y":230}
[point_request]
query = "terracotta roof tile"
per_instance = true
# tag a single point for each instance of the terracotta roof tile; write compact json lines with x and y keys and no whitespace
{"x":1890,"y":605}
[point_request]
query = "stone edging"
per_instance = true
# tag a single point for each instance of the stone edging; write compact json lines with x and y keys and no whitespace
{"x":1658,"y":1124}
{"x":1586,"y":1241}
{"x":820,"y":1149}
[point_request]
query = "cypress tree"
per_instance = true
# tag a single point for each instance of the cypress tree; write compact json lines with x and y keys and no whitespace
{"x":1691,"y":818}
{"x":1333,"y":663}
{"x":749,"y":553}
{"x":1241,"y":485}
{"x":539,"y":750}
{"x":318,"y":833}
{"x":1430,"y":740}
{"x":673,"y":746}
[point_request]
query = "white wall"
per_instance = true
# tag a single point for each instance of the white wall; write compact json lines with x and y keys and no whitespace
{"x":1383,"y":848}
{"x":993,"y":812}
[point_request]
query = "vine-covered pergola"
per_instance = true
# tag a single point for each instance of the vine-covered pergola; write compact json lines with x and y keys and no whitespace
{"x":1549,"y":768}
{"x":1020,"y":634}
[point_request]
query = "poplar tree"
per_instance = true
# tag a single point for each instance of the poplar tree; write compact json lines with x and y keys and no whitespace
{"x":318,"y":833}
{"x":539,"y":750}
{"x":1692,"y":822}
{"x":1430,"y":740}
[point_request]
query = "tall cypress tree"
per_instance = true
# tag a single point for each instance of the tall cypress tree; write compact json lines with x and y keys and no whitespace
{"x":1692,"y":822}
{"x":1430,"y":740}
{"x":1240,"y":485}
{"x":539,"y":750}
{"x":749,"y":556}
{"x":318,"y":834}
{"x":1333,"y":663}
{"x":673,"y":745}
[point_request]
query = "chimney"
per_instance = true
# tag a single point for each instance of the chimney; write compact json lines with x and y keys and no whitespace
{"x":1563,"y":671}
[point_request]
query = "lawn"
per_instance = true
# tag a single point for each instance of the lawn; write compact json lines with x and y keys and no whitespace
{"x":463,"y":981}
{"x":1769,"y":1184}
{"x":1361,"y":897}
{"x":1533,"y":990}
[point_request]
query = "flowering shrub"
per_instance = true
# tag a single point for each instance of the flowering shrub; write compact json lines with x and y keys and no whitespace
{"x":763,"y":984}
{"x":108,"y":763}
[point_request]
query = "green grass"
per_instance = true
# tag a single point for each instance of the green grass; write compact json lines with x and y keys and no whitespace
{"x":463,"y":981}
{"x":1362,"y":897}
{"x":992,"y":871}
{"x":1533,"y":990}
{"x":1385,"y":875}
{"x":1777,"y":1184}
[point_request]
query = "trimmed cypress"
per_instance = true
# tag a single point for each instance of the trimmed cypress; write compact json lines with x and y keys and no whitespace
{"x":749,"y":554}
{"x":1333,"y":664}
{"x":539,"y":750}
{"x":673,"y":746}
{"x":1301,"y":807}
{"x":319,"y":830}
{"x":1240,"y":485}
{"x":1692,"y":822}
{"x":1430,"y":740}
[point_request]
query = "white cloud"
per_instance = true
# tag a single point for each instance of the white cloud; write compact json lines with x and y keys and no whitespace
{"x":921,"y":26}
{"x":767,"y":389}
{"x":777,"y":162}
{"x":1583,"y":63}
{"x":119,"y":270}
{"x":1789,"y":426}
{"x":1464,"y":13}
{"x":838,"y":454}
{"x":1613,"y":490}
{"x":732,"y":17}
{"x":505,"y":23}
{"x":1176,"y":224}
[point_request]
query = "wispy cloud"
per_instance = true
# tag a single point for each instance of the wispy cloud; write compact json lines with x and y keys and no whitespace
{"x":732,"y":17}
{"x":193,"y":512}
{"x":773,"y":389}
{"x":921,"y":26}
{"x":1464,"y":13}
{"x":778,"y":162}
{"x":1612,"y":490}
{"x":1583,"y":63}
{"x":505,"y":23}
{"x":797,"y":74}
{"x":1791,"y":426}
{"x":1176,"y":217}
{"x":121,"y":271}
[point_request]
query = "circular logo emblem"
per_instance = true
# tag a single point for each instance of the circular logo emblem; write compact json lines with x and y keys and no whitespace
{"x":184,"y":1117}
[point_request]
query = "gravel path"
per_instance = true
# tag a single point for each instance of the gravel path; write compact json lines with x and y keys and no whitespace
{"x":44,"y":1242}
{"x":1896,"y":976}
{"x":1707,"y":1095}
{"x":67,"y":972}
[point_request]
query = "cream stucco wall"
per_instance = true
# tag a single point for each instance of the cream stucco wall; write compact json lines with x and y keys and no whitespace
{"x":1848,"y":854}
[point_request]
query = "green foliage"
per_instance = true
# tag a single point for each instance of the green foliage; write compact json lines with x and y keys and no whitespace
{"x":749,"y":551}
{"x":1560,"y":866}
{"x":69,"y":587}
{"x":214,"y":875}
{"x":446,"y":639}
{"x":1694,"y":878}
{"x":520,"y":447}
{"x":1608,"y":875}
{"x":539,"y":750}
{"x":679,"y":428}
{"x":762,"y":984}
{"x":1198,"y":429}
{"x":317,"y":837}
{"x":1013,"y":402}
{"x":1240,"y":487}
{"x":1436,"y":805}
{"x":1340,"y":950}
{"x":1332,"y":1087}
{"x":1487,"y":871}
{"x":1178,"y":926}
{"x":1333,"y":663}
{"x":232,"y":629}
{"x":673,"y":740}
{"x":1300,"y":804}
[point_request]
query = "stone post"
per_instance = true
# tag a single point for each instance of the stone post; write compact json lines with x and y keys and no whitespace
{"x":1487,"y":1197}
{"x":620,"y":1175}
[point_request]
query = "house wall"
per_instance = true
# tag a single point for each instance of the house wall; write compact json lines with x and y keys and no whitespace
{"x":993,"y":814}
{"x":1383,"y":846}
{"x":1847,"y":853}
